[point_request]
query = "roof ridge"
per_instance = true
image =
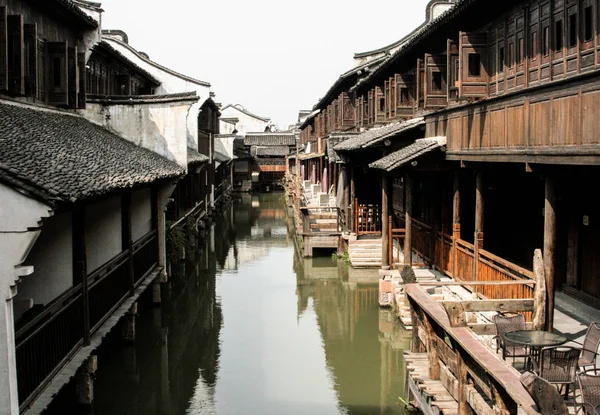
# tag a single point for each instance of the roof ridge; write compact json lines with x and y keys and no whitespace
{"x":156,"y":64}
{"x":241,"y":108}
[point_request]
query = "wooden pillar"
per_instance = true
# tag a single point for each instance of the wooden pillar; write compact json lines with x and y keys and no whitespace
{"x":80,"y":266}
{"x":127,"y":237}
{"x":549,"y":248}
{"x":572,"y":251}
{"x":478,"y":237}
{"x":408,"y":220}
{"x":352,"y":197}
{"x":385,"y":233}
{"x":463,"y":383}
{"x":455,"y":223}
{"x":347,"y":201}
{"x":432,"y":353}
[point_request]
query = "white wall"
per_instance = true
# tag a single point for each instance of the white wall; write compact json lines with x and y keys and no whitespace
{"x":103,"y":232}
{"x":19,"y":218}
{"x":141,"y":213}
{"x":170,"y":84}
{"x":246,"y":124}
{"x":52,"y":259}
{"x":226,"y":128}
{"x":157,"y":126}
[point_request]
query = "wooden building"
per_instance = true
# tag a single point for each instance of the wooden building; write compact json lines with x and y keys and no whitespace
{"x":509,"y":103}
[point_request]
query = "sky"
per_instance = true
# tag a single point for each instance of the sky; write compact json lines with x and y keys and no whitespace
{"x":273,"y":57}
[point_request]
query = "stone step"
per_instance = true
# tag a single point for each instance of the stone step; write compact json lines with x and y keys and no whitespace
{"x":365,"y":241}
{"x":334,"y":221}
{"x":323,"y":226}
{"x":366,"y":265}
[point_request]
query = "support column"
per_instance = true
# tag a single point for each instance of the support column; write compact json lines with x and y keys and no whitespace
{"x":352,"y":199}
{"x":347,"y":201}
{"x":84,"y":381}
{"x":455,"y":222}
{"x":160,"y":201}
{"x":550,"y":248}
{"x":385,"y":229}
{"x":9,"y":400}
{"x":478,"y":237}
{"x":129,"y":324}
{"x":408,"y":219}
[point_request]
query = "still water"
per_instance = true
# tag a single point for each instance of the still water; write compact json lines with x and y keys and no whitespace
{"x":249,"y":327}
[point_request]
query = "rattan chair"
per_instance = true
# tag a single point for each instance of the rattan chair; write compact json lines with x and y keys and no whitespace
{"x":589,"y":409}
{"x":558,"y":365}
{"x":590,"y":347}
{"x":589,"y":387}
{"x":506,"y":323}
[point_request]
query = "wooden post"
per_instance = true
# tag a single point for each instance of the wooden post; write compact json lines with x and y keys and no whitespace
{"x":462,"y":378}
{"x":127,"y":237}
{"x":353,"y":195}
{"x":478,"y":237}
{"x":572,"y":252}
{"x":80,"y":266}
{"x":408,"y":220}
{"x":385,"y":229}
{"x":347,"y":202}
{"x":549,"y":248}
{"x":432,"y":353}
{"x":455,"y":223}
{"x":539,"y":295}
{"x":390,"y":225}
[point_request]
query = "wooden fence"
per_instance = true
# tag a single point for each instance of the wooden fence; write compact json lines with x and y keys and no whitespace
{"x":367,"y":218}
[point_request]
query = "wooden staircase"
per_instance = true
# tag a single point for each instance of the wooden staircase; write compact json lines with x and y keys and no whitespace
{"x":365,"y":253}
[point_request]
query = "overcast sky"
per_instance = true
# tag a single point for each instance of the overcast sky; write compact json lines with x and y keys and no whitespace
{"x":273,"y":57}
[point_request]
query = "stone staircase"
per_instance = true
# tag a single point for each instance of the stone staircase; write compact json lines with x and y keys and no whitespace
{"x":403,"y":309}
{"x":365,"y":253}
{"x":323,"y":222}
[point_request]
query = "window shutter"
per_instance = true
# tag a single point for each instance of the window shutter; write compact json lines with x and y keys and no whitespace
{"x":31,"y":59}
{"x":420,"y":102}
{"x":436,"y":74}
{"x":3,"y":49}
{"x":16,"y":49}
{"x":453,"y":70}
{"x":405,"y":95}
{"x":58,"y":71}
{"x":393,"y":98}
{"x":473,"y":77}
{"x":73,"y":77}
{"x":82,"y":81}
{"x":347,"y":110}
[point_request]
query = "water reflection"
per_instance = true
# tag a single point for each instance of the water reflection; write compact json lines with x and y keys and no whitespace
{"x":250,"y":327}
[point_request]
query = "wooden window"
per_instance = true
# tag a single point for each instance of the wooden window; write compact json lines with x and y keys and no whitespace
{"x":520,"y":50}
{"x":58,"y":87}
{"x":31,"y":59}
{"x":404,"y":96}
{"x":3,"y":49}
{"x":501,"y":59}
{"x":572,"y":30}
{"x":73,"y":77}
{"x":16,"y":58}
{"x":436,"y":81}
{"x":82,"y":80}
{"x":474,"y":64}
{"x":493,"y":62}
{"x":534,"y":45}
{"x":457,"y":71}
{"x":546,"y":41}
{"x":558,"y":35}
{"x":588,"y":24}
{"x":511,"y":55}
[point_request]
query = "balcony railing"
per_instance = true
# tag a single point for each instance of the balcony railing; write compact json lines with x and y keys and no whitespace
{"x":47,"y":342}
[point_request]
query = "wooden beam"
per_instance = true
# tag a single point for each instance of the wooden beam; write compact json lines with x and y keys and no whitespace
{"x":432,"y":351}
{"x":455,"y":221}
{"x":408,"y":220}
{"x":474,"y":283}
{"x":489,"y":329}
{"x":478,"y":237}
{"x":550,"y":248}
{"x":505,"y":305}
{"x":456,"y":313}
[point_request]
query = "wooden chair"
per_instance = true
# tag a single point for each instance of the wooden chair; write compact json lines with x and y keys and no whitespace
{"x":558,"y":365}
{"x":546,"y":397}
{"x":589,"y":386}
{"x":589,"y":352}
{"x":506,"y":323}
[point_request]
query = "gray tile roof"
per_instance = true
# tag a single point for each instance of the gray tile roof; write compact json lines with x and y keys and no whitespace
{"x":104,"y":45}
{"x":76,"y":12}
{"x":404,"y":155}
{"x":221,"y":158}
{"x":60,"y":157}
{"x":272,"y":151}
{"x":377,"y":135}
{"x":270,"y":139}
{"x":193,"y":157}
{"x":335,"y":139}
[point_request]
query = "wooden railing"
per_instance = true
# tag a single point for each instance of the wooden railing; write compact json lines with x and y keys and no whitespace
{"x":51,"y":338}
{"x":470,"y":372}
{"x":367,"y":218}
{"x":456,"y":258}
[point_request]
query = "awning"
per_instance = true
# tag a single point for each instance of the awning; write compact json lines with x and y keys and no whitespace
{"x":379,"y":134}
{"x":409,"y":153}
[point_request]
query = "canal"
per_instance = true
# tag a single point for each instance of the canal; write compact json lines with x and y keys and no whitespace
{"x":249,"y":327}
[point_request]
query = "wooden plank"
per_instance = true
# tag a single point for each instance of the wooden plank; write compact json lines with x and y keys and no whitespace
{"x":477,"y":402}
{"x":505,"y":305}
{"x":489,"y":329}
